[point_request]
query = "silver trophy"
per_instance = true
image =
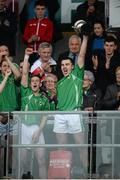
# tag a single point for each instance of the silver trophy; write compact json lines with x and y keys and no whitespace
{"x":77,"y":26}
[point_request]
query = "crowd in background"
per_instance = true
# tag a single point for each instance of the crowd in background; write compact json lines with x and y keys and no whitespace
{"x":102,"y":56}
{"x":36,"y":83}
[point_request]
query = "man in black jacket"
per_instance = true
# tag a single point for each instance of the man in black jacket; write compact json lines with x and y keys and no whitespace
{"x":104,"y":65}
{"x":112,"y":95}
{"x":91,"y":10}
{"x":8,"y":27}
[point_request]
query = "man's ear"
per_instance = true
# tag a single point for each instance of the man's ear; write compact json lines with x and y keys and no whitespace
{"x":72,"y":66}
{"x":40,"y":83}
{"x":115,"y":47}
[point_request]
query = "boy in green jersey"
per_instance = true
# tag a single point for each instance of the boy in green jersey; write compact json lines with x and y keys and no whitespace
{"x":33,"y":100}
{"x":70,"y":98}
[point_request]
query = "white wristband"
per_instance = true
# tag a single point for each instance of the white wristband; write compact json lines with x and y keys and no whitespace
{"x":26,"y":56}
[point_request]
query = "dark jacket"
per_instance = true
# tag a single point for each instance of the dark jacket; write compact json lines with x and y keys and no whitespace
{"x":92,"y":98}
{"x":110,"y":99}
{"x":110,"y":102}
{"x":103,"y":76}
{"x":8,"y":29}
{"x":98,"y":14}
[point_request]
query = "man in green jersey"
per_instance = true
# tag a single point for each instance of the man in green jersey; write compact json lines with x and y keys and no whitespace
{"x":33,"y":100}
{"x":70,"y":98}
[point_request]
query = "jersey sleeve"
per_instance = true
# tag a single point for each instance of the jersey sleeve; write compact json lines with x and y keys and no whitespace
{"x":25,"y":91}
{"x":79,"y":72}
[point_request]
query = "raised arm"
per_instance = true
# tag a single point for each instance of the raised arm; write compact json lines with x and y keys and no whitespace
{"x":13,"y":68}
{"x":81,"y":56}
{"x":25,"y":72}
{"x":3,"y":83}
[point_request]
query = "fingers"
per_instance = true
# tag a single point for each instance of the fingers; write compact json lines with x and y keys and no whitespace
{"x":35,"y":38}
{"x":8,"y":72}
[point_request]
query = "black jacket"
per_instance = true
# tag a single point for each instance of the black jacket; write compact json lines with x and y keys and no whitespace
{"x":99,"y":13}
{"x":92,"y":98}
{"x":8,"y":29}
{"x":110,"y":99}
{"x":103,"y":76}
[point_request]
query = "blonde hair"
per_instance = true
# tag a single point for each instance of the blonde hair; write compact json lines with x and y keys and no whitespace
{"x":52,"y":76}
{"x":45,"y":45}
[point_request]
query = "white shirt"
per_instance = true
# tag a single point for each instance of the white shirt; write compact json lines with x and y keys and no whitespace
{"x":38,"y":63}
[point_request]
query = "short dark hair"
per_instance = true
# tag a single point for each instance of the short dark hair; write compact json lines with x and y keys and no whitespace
{"x":98,"y":21}
{"x":111,"y":38}
{"x":67,"y":58}
{"x":40,"y":3}
{"x":34,"y":75}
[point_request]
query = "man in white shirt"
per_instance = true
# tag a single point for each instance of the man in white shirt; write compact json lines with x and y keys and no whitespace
{"x":45,"y":64}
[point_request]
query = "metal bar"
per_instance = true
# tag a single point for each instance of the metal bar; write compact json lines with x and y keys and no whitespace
{"x":62,"y":145}
{"x":8,"y":143}
{"x":91,"y":145}
{"x":49,"y":145}
{"x":113,"y":149}
{"x":19,"y":150}
{"x":65,"y":112}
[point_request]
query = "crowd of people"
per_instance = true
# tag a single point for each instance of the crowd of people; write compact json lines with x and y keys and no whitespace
{"x":84,"y":78}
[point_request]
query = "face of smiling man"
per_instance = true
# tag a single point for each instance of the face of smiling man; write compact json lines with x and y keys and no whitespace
{"x":66,"y":67}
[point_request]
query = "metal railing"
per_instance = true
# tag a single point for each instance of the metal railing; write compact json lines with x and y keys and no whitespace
{"x":101,"y":130}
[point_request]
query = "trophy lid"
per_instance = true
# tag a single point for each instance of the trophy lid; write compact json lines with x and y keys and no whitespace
{"x":77,"y":25}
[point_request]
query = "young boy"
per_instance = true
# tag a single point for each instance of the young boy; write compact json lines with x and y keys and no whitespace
{"x":38,"y":29}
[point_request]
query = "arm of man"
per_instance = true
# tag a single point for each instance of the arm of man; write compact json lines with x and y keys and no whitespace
{"x":24,"y":79}
{"x":37,"y":133}
{"x":13,"y":68}
{"x":81,"y":56}
{"x":3,"y":83}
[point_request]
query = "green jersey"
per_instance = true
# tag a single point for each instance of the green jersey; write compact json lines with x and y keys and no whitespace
{"x":29,"y":102}
{"x":8,"y":98}
{"x":70,"y":90}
